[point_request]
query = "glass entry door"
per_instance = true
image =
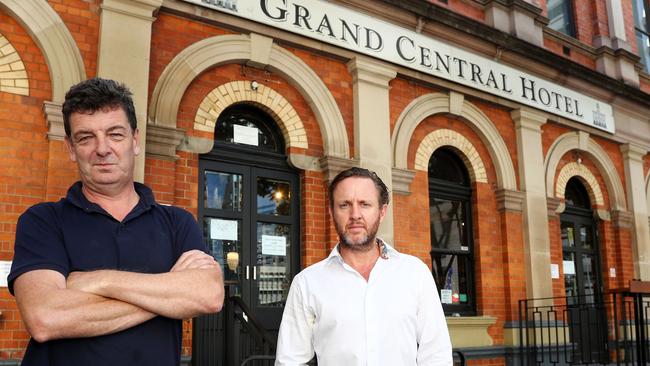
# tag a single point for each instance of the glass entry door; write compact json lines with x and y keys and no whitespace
{"x":248,"y":219}
{"x":582,"y":282}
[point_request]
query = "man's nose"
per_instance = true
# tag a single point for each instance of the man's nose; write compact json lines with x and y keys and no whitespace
{"x":103,"y":148}
{"x":355,"y":212}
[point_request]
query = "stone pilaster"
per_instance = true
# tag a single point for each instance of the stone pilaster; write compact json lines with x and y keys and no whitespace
{"x":637,"y":205}
{"x":537,"y":252}
{"x":372,"y":124}
{"x":125,"y":43}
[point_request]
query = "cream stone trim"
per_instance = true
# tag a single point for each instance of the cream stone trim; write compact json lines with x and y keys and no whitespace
{"x":470,"y":331}
{"x":445,"y":137}
{"x":436,"y":103}
{"x":13,"y":76}
{"x":647,"y":190}
{"x":219,"y":50}
{"x":268,"y":99}
{"x":61,"y":53}
{"x":582,"y":142}
{"x":578,"y":170}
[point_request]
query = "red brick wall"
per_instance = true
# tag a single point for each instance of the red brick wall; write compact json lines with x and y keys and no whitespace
{"x":23,"y":166}
{"x":81,"y":17}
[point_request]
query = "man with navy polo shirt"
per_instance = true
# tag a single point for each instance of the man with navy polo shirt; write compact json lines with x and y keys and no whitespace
{"x":105,"y":275}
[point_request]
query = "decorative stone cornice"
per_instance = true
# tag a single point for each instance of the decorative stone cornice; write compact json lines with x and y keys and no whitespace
{"x":162,"y":141}
{"x":371,"y":71}
{"x":554,"y":206}
{"x":633,"y":152}
{"x":142,"y":9}
{"x":332,"y":165}
{"x":528,"y":118}
{"x":509,"y":201}
{"x":402,"y":179}
{"x":54,"y":117}
{"x":622,"y":219}
{"x":602,"y":214}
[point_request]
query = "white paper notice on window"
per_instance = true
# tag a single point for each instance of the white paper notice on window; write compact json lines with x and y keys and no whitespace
{"x":223,"y":229}
{"x":5,"y":268}
{"x":445,"y":296}
{"x":274,"y":245}
{"x":245,"y":135}
{"x":568,"y":267}
{"x":555,"y":271}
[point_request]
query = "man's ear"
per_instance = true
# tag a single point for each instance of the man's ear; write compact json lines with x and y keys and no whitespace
{"x":71,"y":152}
{"x":136,"y":141}
{"x":382,"y":212}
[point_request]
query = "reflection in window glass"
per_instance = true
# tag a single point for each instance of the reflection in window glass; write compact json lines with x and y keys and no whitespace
{"x":447,"y":224}
{"x":223,"y":191}
{"x":273,"y":261}
{"x":560,"y":16}
{"x":223,"y":239}
{"x":640,"y":8}
{"x":273,"y":197}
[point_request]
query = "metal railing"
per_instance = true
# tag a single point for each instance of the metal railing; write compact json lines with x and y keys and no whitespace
{"x":584,"y":330}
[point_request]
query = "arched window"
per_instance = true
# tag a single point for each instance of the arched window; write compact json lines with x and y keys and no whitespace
{"x":576,"y":194}
{"x":249,"y":128}
{"x":452,"y":252}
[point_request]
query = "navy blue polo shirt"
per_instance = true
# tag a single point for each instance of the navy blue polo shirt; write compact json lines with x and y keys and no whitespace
{"x":75,"y":234}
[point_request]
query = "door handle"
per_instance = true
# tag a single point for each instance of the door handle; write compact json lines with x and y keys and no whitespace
{"x":254,"y":272}
{"x":247,"y":272}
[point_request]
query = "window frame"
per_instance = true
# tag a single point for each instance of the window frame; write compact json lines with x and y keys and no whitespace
{"x":569,"y":26}
{"x":446,"y":190}
{"x":638,"y":31}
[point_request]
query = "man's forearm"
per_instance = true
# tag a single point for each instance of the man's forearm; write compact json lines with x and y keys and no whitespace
{"x":54,"y":312}
{"x":180,"y":295}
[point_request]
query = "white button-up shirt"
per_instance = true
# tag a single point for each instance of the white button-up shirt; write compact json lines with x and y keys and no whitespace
{"x":393,"y":319}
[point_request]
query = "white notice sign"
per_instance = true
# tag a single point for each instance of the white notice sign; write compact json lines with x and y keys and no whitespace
{"x":5,"y":267}
{"x":445,"y":296}
{"x":568,"y":267}
{"x":274,"y":245}
{"x":555,"y":271}
{"x":223,"y":229}
{"x":245,"y":135}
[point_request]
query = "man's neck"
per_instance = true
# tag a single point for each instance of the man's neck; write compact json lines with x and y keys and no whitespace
{"x":362,"y":261}
{"x":118,"y":202}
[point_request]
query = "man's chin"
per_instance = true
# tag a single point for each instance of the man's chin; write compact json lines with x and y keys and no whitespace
{"x":359,"y":244}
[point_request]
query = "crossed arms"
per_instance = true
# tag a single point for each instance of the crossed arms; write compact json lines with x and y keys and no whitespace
{"x":89,"y":304}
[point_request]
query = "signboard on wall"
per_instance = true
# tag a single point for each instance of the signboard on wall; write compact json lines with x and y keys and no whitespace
{"x":364,"y":34}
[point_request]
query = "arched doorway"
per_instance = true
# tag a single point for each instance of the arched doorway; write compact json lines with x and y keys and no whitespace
{"x":582,"y":276}
{"x":249,"y":209}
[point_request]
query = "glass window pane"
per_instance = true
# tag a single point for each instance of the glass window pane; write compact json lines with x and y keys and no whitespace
{"x":223,"y":239}
{"x":586,"y":237}
{"x":560,"y":16}
{"x":260,"y":126}
{"x":451,"y":272}
{"x":448,"y":224}
{"x":273,"y":261}
{"x":223,"y":191}
{"x":570,"y":279}
{"x":568,"y":240}
{"x":273,"y":197}
{"x":588,"y":275}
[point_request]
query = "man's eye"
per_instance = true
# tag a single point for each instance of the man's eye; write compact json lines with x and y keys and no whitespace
{"x":343,"y":205}
{"x":117,"y":136}
{"x":83,"y":139}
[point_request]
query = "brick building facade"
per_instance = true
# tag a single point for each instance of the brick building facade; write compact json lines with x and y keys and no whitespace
{"x":189,"y":63}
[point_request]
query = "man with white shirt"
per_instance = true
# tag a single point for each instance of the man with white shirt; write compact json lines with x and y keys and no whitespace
{"x":366,"y":304}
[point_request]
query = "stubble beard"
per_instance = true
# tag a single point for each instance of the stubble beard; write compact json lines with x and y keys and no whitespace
{"x":364,"y":244}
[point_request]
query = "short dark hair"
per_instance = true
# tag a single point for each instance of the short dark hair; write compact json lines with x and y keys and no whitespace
{"x":97,"y":94}
{"x":382,"y":190}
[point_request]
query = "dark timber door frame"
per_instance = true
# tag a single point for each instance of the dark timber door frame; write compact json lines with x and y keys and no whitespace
{"x":259,"y":280}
